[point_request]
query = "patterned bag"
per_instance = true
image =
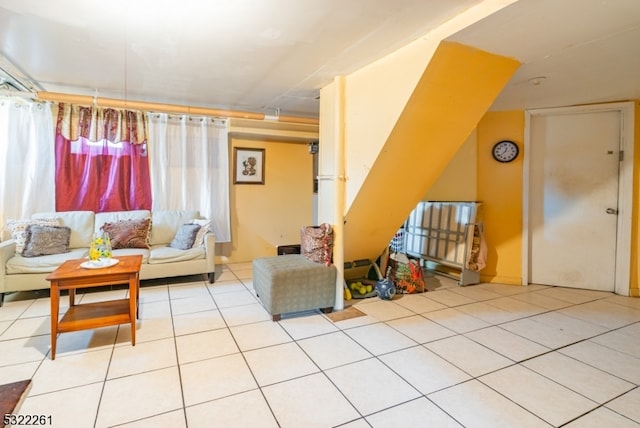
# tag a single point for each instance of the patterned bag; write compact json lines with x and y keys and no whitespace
{"x":316,"y":243}
{"x":406,"y":274}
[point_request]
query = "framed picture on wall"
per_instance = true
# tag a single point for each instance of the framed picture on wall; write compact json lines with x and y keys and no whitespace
{"x":248,"y":166}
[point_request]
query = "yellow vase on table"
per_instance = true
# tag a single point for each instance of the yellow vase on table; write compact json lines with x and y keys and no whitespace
{"x":100,"y":249}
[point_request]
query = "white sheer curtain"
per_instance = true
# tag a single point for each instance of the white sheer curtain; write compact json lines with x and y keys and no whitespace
{"x":189,"y":159}
{"x":26,"y":158}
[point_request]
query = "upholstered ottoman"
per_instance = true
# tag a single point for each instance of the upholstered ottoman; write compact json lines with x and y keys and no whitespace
{"x":292,"y":283}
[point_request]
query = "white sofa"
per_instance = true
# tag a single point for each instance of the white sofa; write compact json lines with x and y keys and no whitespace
{"x":19,"y":273}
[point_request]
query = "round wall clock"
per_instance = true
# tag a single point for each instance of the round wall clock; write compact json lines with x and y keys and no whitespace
{"x":505,"y":151}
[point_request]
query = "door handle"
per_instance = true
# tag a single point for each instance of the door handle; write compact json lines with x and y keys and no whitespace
{"x":612,"y":211}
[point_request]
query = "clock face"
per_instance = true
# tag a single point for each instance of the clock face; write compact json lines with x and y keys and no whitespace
{"x":505,"y":151}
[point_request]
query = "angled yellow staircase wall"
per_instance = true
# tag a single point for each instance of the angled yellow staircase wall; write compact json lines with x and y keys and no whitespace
{"x":457,"y":88}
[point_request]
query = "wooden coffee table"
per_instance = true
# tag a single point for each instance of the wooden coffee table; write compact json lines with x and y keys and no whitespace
{"x":71,"y":276}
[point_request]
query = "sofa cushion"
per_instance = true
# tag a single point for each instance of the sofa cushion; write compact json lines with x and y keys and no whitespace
{"x":164,"y":254}
{"x":132,"y":252}
{"x":129,"y":233}
{"x":18,"y":229}
{"x":43,"y":264}
{"x":165,"y":224}
{"x":46,"y":240}
{"x":185,"y":237}
{"x":81,"y":224}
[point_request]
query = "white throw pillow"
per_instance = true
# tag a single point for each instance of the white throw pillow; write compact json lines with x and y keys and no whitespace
{"x":205,"y":226}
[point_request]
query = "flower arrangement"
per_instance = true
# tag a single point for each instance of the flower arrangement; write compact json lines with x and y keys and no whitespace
{"x":100,"y":248}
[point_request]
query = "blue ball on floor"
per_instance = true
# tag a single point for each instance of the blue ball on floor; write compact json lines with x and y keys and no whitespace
{"x":385,"y":289}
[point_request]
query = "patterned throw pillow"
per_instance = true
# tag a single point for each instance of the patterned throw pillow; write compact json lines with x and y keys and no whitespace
{"x":132,"y":233}
{"x":316,"y":243}
{"x":205,"y":226}
{"x":46,"y":240}
{"x":18,"y":229}
{"x":185,"y":236}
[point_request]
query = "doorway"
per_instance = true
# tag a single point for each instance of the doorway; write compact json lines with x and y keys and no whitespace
{"x":578,"y":164}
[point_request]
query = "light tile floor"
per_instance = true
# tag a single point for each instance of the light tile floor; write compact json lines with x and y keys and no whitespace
{"x":487,"y":355}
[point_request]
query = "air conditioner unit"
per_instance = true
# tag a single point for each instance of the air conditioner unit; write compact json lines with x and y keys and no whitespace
{"x":12,"y":79}
{"x":8,"y":86}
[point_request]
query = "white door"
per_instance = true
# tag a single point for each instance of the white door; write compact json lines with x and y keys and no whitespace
{"x":573,"y":199}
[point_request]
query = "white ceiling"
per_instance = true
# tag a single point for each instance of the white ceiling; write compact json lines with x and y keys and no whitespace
{"x":274,"y":55}
{"x":588,"y":50}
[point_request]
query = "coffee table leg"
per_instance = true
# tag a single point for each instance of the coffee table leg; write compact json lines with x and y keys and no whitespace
{"x":137,"y":297}
{"x":55,"y":307}
{"x":133,"y":306}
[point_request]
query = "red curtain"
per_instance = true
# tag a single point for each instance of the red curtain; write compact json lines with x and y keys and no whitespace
{"x":103,"y":175}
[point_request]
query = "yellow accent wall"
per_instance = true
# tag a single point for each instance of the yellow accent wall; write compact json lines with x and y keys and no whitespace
{"x":456,"y":89}
{"x":500,"y":191}
{"x":265,"y":216}
{"x":459,"y":180}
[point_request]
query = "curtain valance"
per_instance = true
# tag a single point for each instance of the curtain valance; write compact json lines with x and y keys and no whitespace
{"x":97,"y":123}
